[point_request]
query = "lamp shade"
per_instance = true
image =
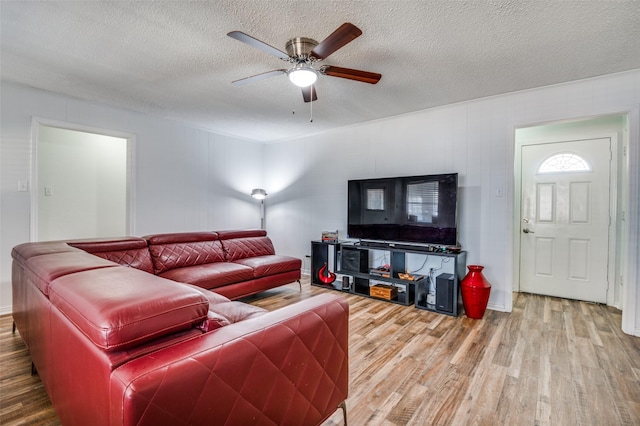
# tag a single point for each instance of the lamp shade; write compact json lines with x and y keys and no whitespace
{"x":303,"y":76}
{"x":259,"y":193}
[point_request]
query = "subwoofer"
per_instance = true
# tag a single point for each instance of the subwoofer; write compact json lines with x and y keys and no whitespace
{"x":354,"y":260}
{"x":444,"y":293}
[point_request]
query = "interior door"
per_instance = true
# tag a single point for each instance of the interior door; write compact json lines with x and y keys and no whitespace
{"x":564,"y":245}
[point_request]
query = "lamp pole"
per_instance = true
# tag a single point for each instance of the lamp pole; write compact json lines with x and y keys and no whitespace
{"x":260,"y":194}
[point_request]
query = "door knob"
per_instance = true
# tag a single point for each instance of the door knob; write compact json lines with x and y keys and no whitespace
{"x":526,"y":231}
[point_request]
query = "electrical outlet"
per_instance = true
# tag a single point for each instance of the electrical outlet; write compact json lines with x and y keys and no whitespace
{"x":48,"y":192}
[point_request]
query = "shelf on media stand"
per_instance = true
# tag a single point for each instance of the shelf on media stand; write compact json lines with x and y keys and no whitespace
{"x":355,"y":275}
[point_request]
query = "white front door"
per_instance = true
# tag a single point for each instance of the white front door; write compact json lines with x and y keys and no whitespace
{"x":564,"y":241}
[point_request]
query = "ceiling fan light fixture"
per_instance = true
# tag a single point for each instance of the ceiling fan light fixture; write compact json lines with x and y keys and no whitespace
{"x":303,"y":75}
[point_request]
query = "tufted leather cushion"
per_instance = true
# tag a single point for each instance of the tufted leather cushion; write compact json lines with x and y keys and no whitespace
{"x":139,"y":259}
{"x":23,"y":252}
{"x":288,"y":367}
{"x":241,"y":248}
{"x":43,"y":269}
{"x":116,"y":358}
{"x":213,"y":298}
{"x":228,"y":313}
{"x":241,"y":233}
{"x":237,"y":311}
{"x":223,"y":311}
{"x":121,"y":307}
{"x":132,"y":252}
{"x":213,"y":322}
{"x":270,"y":265}
{"x":109,"y":244}
{"x":171,"y":251}
{"x":210,"y":275}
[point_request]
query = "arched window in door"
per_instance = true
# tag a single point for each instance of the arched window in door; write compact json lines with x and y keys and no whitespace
{"x":564,"y":162}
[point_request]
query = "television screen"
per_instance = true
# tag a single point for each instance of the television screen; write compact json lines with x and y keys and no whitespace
{"x":417,"y":209}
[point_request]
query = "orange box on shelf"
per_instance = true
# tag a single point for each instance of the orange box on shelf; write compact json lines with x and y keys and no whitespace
{"x":382,"y":291}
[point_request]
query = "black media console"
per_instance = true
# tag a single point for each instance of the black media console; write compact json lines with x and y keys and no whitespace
{"x":359,"y":267}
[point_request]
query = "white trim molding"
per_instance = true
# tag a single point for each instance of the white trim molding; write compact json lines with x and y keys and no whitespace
{"x":630,"y":302}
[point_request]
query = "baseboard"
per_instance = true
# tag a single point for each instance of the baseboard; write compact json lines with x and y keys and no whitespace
{"x":6,"y":310}
{"x":494,"y":307}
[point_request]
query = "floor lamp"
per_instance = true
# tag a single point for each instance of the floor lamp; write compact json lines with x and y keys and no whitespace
{"x":260,"y":194}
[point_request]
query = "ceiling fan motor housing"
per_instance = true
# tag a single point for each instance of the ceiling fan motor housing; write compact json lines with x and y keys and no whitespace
{"x":300,"y":47}
{"x":302,"y":54}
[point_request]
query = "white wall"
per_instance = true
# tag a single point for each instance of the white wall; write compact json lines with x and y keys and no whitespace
{"x":307,"y":177}
{"x":186,"y":179}
{"x":190,"y":179}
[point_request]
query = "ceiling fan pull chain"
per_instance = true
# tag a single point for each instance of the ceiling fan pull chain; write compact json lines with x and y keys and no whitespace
{"x":294,"y":93}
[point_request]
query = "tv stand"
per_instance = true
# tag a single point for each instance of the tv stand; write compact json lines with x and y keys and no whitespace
{"x":357,"y":272}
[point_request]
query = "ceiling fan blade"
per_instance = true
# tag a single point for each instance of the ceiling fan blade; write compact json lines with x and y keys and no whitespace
{"x":247,"y":39}
{"x":363,"y":76}
{"x":345,"y":33}
{"x":309,"y":94}
{"x":262,"y":76}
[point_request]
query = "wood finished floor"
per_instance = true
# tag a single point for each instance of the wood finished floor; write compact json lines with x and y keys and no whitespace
{"x":549,"y":362}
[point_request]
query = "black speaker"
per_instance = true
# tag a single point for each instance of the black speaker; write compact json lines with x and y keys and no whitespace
{"x":444,"y":293}
{"x":354,"y":260}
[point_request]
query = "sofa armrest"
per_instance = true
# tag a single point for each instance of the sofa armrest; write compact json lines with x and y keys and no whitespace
{"x":289,"y":366}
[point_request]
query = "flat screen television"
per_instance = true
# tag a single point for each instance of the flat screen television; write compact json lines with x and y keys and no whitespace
{"x":414,"y":209}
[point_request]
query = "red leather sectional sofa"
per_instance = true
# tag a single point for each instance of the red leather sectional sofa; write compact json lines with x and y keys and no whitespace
{"x":231,"y":263}
{"x":126,"y":332}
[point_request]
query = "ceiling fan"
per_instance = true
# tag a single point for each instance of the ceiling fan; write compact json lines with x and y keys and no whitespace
{"x":303,"y":53}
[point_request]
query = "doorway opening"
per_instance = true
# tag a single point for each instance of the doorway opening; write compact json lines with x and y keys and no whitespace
{"x":568,"y":227}
{"x":82,"y":180}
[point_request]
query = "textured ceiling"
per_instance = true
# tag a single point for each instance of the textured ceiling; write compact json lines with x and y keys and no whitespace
{"x":173,"y":58}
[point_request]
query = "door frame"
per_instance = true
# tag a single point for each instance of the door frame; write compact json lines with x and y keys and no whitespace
{"x":629,"y":248}
{"x":631,"y":233}
{"x":36,"y":122}
{"x":613,"y":206}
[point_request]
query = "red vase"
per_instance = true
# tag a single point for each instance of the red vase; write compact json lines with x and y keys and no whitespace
{"x":475,"y":292}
